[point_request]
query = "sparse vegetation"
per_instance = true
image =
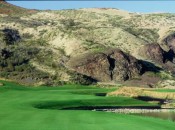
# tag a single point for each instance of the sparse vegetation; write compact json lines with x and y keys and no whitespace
{"x":162,"y":74}
{"x":148,"y":35}
{"x":60,"y":35}
{"x":36,"y":42}
{"x":77,"y":78}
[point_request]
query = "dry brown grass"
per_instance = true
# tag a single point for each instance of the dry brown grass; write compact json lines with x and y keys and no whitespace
{"x":136,"y":92}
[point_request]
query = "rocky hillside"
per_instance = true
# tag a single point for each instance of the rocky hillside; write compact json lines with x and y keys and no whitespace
{"x":86,"y":46}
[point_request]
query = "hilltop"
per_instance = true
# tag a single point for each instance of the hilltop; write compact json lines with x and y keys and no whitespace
{"x":9,"y":9}
{"x":45,"y":47}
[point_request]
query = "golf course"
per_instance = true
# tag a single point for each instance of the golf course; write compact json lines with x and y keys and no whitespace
{"x":47,"y":108}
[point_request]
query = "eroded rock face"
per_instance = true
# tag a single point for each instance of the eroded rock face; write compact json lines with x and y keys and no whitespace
{"x":153,"y":52}
{"x":170,"y":56}
{"x":96,"y":66}
{"x":112,"y":65}
{"x":170,"y":42}
{"x":125,"y":66}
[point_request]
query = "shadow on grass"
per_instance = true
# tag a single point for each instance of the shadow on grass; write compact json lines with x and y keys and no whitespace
{"x":147,"y":98}
{"x":101,"y":94}
{"x":80,"y":105}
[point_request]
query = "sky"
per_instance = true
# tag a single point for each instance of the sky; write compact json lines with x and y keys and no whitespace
{"x":131,"y":6}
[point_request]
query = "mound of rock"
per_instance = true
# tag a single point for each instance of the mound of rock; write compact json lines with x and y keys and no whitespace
{"x":111,"y":65}
{"x":153,"y":52}
{"x":164,"y":58}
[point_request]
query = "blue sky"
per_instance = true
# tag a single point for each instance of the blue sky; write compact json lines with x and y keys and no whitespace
{"x":132,"y":6}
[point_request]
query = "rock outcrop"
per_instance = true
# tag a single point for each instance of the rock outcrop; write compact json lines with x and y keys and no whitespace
{"x":111,"y":65}
{"x":153,"y":52}
{"x":164,"y":58}
{"x":170,"y":41}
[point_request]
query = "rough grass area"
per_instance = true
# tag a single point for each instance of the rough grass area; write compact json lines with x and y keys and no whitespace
{"x":136,"y":92}
{"x":164,"y":90}
{"x":17,"y":111}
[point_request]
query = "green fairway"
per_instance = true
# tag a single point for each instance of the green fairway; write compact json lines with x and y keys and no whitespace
{"x":18,"y":110}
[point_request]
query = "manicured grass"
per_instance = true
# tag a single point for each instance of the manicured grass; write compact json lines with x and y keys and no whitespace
{"x":92,"y":103}
{"x":18,"y":111}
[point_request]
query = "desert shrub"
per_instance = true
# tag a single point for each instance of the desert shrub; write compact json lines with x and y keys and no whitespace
{"x":115,"y":21}
{"x":4,"y":74}
{"x":51,"y":83}
{"x":78,"y":78}
{"x":45,"y":57}
{"x":161,"y":74}
{"x":20,"y":68}
{"x":40,"y":42}
{"x":11,"y":36}
{"x":11,"y":57}
{"x":61,"y":50}
{"x":70,"y":24}
{"x":148,"y":35}
{"x":24,"y":23}
{"x":27,"y":36}
{"x":42,"y":32}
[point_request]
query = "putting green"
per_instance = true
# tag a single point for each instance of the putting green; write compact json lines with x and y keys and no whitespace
{"x":18,"y":110}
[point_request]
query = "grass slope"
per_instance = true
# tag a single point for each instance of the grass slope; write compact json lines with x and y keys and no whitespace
{"x":17,"y":111}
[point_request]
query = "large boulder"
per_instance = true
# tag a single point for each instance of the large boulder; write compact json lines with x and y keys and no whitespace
{"x":111,"y":65}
